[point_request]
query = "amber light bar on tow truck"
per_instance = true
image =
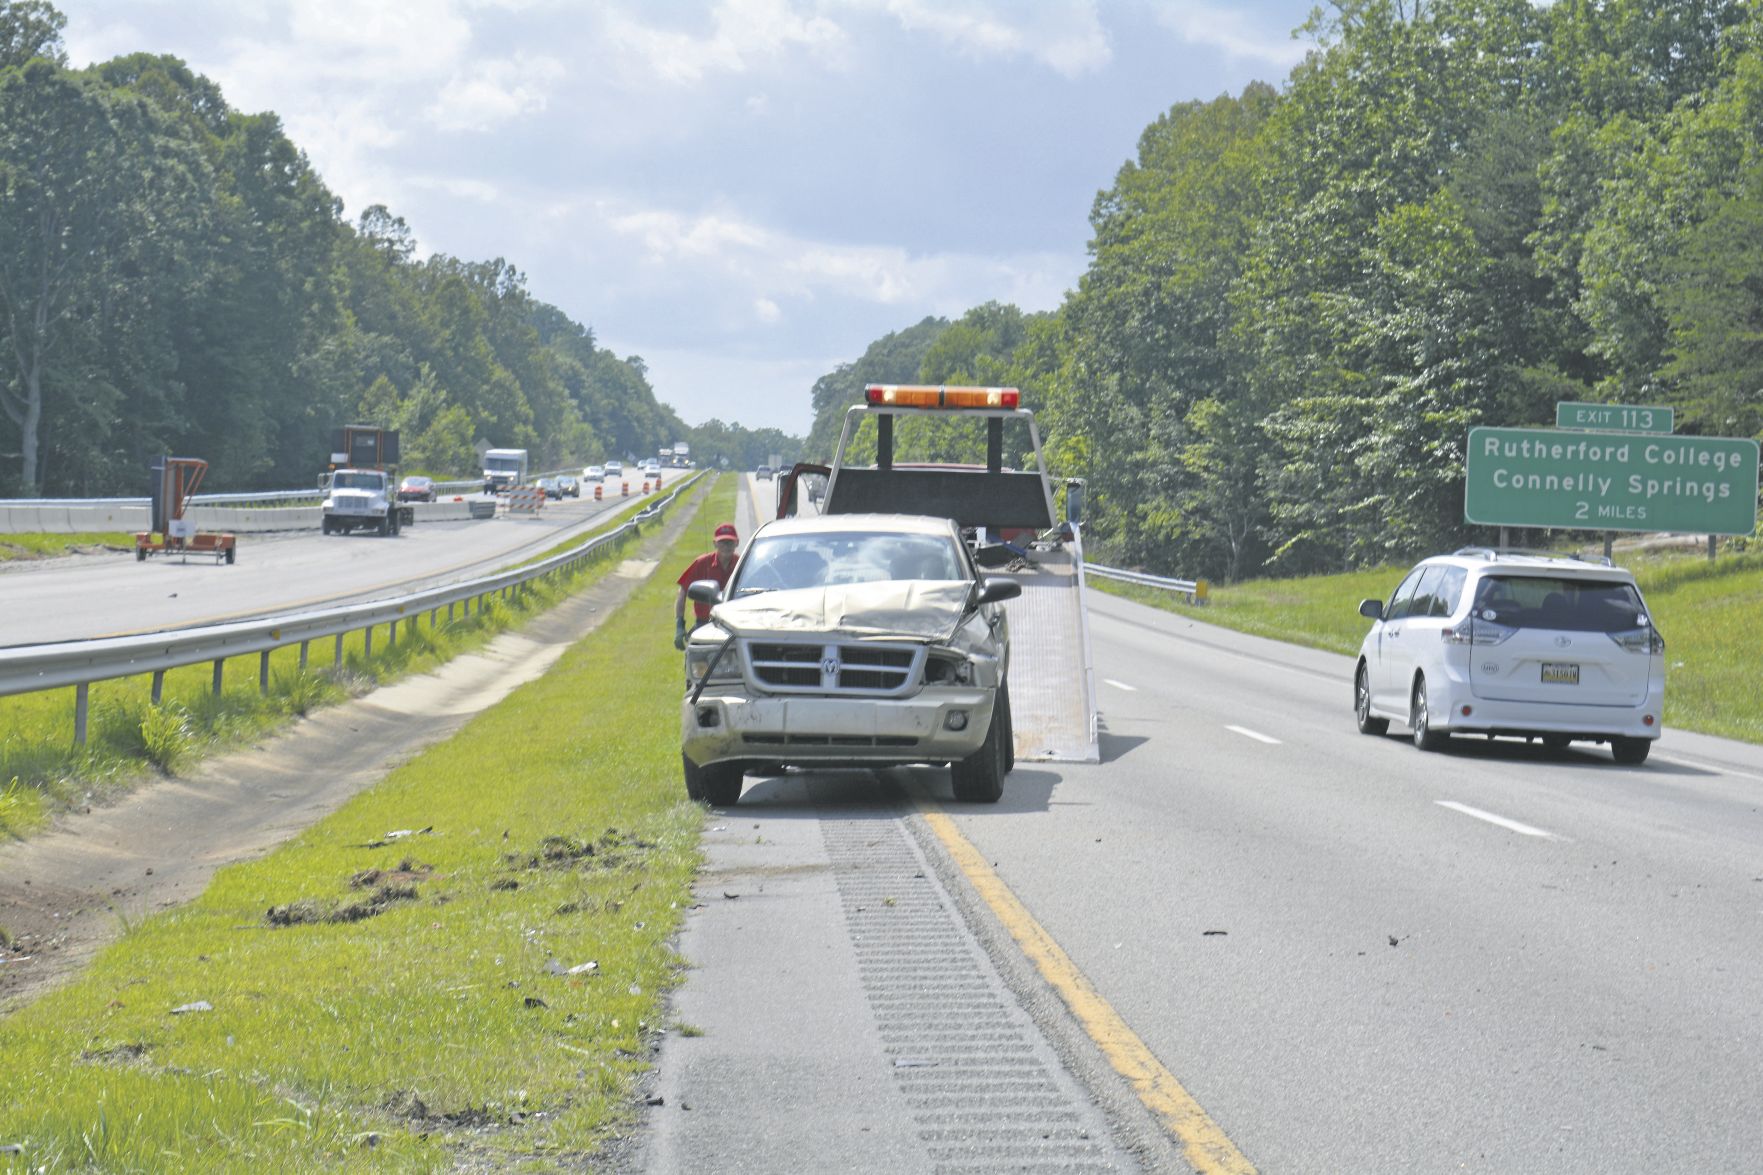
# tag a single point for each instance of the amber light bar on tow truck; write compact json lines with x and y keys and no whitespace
{"x":930,"y":396}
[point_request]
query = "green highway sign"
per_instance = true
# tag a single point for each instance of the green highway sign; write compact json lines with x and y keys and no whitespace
{"x":1610,"y":481}
{"x":1613,"y":417}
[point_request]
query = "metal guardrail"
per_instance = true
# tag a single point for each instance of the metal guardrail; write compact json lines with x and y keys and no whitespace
{"x":29,"y":668}
{"x":1196,"y":590}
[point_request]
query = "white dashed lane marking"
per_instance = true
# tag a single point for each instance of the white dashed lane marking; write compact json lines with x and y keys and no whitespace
{"x":1131,"y":689}
{"x":1511,"y":825}
{"x":1254,"y":734}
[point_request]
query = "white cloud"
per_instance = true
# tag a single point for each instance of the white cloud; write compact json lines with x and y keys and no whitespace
{"x":1230,"y":30}
{"x":1066,"y":37}
{"x":495,"y":92}
{"x":767,"y":311}
{"x":466,"y":189}
{"x":383,"y":43}
{"x":743,"y":34}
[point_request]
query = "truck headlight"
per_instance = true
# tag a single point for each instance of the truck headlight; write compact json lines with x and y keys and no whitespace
{"x":948,"y":669}
{"x":698,"y":658}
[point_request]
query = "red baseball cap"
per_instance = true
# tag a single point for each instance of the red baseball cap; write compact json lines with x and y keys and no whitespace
{"x":727,"y":531}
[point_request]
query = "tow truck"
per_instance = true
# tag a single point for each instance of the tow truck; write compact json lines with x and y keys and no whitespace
{"x":174,"y":483}
{"x":842,"y":641}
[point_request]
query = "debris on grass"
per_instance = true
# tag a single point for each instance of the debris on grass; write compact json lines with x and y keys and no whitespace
{"x":197,"y":1006}
{"x":308,"y":911}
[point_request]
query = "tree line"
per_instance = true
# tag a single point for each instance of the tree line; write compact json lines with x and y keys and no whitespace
{"x":1451,"y":213}
{"x":175,"y":277}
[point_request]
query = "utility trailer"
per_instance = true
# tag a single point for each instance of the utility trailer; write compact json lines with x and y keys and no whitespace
{"x":175,"y":480}
{"x":1008,"y":516}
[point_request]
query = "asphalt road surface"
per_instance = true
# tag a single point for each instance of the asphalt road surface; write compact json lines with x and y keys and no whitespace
{"x":111,"y":594}
{"x":1358,"y":957}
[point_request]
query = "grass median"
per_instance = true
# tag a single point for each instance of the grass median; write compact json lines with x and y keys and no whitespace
{"x":43,"y":770}
{"x":1709,"y":612}
{"x":463,"y":966}
{"x":47,"y":546}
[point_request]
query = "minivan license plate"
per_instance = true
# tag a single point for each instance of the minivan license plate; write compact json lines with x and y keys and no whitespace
{"x":1560,"y":672}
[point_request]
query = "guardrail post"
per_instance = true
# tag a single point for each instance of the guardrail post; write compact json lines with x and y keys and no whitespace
{"x":338,"y":663}
{"x":392,"y":634}
{"x":81,"y":698}
{"x":303,"y":645}
{"x":449,"y":612}
{"x":367,"y":641}
{"x":218,"y":663}
{"x":263,"y":673}
{"x":158,"y":686}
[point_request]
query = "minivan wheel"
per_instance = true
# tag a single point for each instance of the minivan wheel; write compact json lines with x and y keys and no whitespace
{"x":1630,"y":751}
{"x":1362,"y":705}
{"x":1556,"y":742}
{"x":1420,"y":719}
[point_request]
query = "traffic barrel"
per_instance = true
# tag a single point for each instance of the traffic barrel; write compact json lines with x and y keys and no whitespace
{"x":597,"y":490}
{"x":645,"y":485}
{"x":624,"y":489}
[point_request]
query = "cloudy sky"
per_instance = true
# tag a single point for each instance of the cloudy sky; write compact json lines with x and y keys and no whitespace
{"x":745,"y":193}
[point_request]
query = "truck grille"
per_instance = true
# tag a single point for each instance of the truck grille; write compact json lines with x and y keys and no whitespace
{"x":870,"y":670}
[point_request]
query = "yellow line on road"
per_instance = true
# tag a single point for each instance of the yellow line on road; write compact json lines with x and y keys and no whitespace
{"x":1202,"y":1140}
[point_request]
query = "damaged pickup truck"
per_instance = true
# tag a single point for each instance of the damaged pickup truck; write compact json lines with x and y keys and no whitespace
{"x":851,"y":640}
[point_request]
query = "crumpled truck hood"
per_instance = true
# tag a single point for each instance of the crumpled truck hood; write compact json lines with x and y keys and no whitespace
{"x":910,"y":609}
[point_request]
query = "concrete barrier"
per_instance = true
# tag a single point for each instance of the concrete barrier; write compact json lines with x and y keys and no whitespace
{"x":113,"y":517}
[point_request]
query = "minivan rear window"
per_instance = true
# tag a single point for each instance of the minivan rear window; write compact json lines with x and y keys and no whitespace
{"x":1572,"y":605}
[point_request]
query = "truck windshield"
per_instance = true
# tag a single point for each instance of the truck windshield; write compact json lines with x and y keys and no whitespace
{"x":358,"y":481}
{"x":788,"y":562}
{"x":502,"y":464}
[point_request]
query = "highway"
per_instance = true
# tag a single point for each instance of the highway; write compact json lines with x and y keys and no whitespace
{"x":1351,"y":955}
{"x":1357,"y":957}
{"x":113,"y":594}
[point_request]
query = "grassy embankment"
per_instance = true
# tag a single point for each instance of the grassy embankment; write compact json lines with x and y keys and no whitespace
{"x":42,"y":770}
{"x":397,"y":1005}
{"x":45,"y":546}
{"x":1711,"y":615}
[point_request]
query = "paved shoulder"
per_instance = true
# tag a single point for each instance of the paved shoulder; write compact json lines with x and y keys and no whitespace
{"x":840,"y":1016}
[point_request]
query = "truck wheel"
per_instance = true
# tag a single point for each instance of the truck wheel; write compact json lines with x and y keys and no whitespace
{"x":718,"y":785}
{"x":1009,"y":729}
{"x":979,"y":778}
{"x":325,"y":525}
{"x":140,"y":554}
{"x":230,"y":552}
{"x":385,"y":527}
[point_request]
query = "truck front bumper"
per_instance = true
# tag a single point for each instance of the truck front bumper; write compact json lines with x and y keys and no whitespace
{"x":936,"y":725}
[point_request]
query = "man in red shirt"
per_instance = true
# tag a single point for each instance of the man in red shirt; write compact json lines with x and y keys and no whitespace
{"x":718,"y":565}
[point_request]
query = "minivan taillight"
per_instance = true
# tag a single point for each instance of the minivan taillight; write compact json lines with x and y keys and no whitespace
{"x":1475,"y":632}
{"x":1640,"y":640}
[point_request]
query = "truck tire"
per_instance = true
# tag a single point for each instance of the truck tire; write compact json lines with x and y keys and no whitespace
{"x":385,"y":526}
{"x":1009,"y":728}
{"x":718,"y":785}
{"x":979,"y":778}
{"x":325,"y":524}
{"x":230,"y":552}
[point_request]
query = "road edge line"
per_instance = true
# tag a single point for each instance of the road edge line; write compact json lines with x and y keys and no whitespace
{"x":1203,"y":1142}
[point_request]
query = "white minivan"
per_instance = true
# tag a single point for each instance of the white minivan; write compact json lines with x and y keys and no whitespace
{"x":1490,"y":643}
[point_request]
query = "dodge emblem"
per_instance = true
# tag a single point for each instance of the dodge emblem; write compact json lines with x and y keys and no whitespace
{"x":1561,"y":642}
{"x":830,"y":667}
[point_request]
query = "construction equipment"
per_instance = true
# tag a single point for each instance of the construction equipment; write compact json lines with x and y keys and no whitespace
{"x":174,"y":483}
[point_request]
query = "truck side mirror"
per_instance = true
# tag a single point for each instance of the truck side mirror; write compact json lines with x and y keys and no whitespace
{"x":996,"y":588}
{"x":1371,"y":609}
{"x":705,"y":591}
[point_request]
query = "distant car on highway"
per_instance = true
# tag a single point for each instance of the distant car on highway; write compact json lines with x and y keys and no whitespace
{"x":550,"y":487}
{"x":763,"y":473}
{"x":594,"y":473}
{"x":416,"y":489}
{"x":1491,"y":642}
{"x":568,"y":486}
{"x":615,"y":469}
